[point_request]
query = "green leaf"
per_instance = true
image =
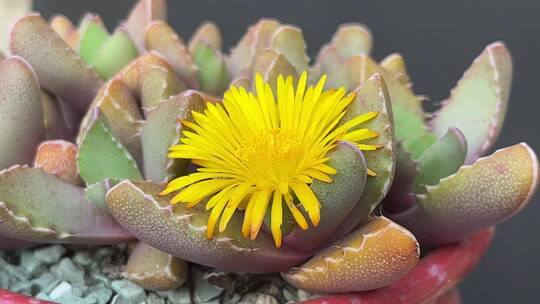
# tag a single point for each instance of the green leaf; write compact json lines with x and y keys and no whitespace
{"x":477,"y":105}
{"x":477,"y":196}
{"x":373,"y":96}
{"x":162,"y":130}
{"x":418,"y":145}
{"x":213,"y":74}
{"x":337,"y":198}
{"x":102,"y":156}
{"x":120,"y":113}
{"x":115,"y":54}
{"x":96,"y":193}
{"x":92,"y":36}
{"x":442,"y":159}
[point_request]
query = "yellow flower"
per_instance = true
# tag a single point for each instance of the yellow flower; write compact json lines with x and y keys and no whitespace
{"x":256,"y":150}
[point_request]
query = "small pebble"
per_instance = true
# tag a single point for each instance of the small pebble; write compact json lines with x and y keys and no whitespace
{"x":68,"y":271}
{"x":60,"y":290}
{"x":179,"y":296}
{"x":130,"y":292}
{"x":155,"y":299}
{"x":4,"y":280}
{"x":31,"y":263}
{"x":50,"y":254}
{"x":43,"y":296}
{"x":101,"y":295}
{"x":83,"y":258}
{"x":204,"y":290}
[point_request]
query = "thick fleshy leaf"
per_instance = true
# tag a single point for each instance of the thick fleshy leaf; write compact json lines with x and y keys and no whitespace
{"x":270,"y":65}
{"x":59,"y":158}
{"x":436,"y":273}
{"x":115,"y":53}
{"x":162,"y":130}
{"x":213,"y":74}
{"x":373,"y":97}
{"x":182,"y":232}
{"x":62,"y":26}
{"x":120,"y":113}
{"x":376,"y":255}
{"x":477,"y":196}
{"x":442,"y":159}
{"x":38,"y":207}
{"x":142,"y":14}
{"x":207,"y":33}
{"x":58,"y":68}
{"x":92,"y":35}
{"x":352,"y":39}
{"x":289,"y":41}
{"x":154,"y":269}
{"x":102,"y":156}
{"x":159,"y":84}
{"x":256,"y":39}
{"x":55,"y":124}
{"x":10,"y":244}
{"x":132,"y":75}
{"x":477,"y":105}
{"x":97,"y":193}
{"x":21,"y":112}
{"x":351,"y":73}
{"x":161,"y":38}
{"x":337,"y":198}
{"x":395,"y":64}
{"x":418,"y":145}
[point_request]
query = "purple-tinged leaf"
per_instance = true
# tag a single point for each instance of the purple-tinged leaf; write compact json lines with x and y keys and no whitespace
{"x":477,"y":105}
{"x":21,"y":112}
{"x":477,"y":196}
{"x":59,"y":69}
{"x":38,"y":207}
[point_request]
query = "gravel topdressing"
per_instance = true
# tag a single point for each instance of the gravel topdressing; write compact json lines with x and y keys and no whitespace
{"x":73,"y":274}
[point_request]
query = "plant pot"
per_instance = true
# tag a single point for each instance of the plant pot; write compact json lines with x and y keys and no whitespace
{"x":432,"y":281}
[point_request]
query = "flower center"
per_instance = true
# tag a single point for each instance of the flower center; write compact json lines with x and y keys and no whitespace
{"x":271,"y":145}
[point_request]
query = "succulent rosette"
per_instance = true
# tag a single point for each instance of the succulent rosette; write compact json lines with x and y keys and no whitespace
{"x":253,"y":161}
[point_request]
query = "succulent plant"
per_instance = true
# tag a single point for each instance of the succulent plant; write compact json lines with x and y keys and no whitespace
{"x":140,"y":136}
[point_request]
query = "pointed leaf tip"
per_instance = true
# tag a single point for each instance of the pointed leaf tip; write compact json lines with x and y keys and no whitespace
{"x":477,"y":105}
{"x":21,"y":112}
{"x":59,"y":69}
{"x":477,"y":196}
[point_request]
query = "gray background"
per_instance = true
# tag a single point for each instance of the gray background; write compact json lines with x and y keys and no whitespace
{"x":439,"y":40}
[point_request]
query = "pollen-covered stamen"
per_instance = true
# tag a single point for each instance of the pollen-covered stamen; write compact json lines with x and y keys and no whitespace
{"x":260,"y":152}
{"x":270,"y":145}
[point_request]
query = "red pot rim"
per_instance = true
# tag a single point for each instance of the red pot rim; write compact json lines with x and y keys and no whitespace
{"x":435,"y":274}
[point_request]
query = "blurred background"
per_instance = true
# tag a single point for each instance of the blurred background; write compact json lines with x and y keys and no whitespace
{"x":439,"y":40}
